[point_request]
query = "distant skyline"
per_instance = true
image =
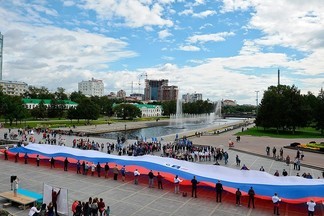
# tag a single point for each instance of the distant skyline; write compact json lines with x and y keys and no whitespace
{"x":224,"y":49}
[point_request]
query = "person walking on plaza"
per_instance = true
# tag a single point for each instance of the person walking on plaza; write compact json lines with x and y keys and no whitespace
{"x":177,"y":182}
{"x":83,"y":167}
{"x":115,"y":171}
{"x":238,"y":161}
{"x":151,"y":179}
{"x":251,"y":194}
{"x":311,"y":207}
{"x":136,"y":175}
{"x":123,"y":173}
{"x":274,"y":150}
{"x":106,"y":170}
{"x":219,"y":191}
{"x":194,"y":184}
{"x":281,"y":153}
{"x":268,"y":150}
{"x":159,"y":180}
{"x":276,"y":200}
{"x":37,"y":160}
{"x":66,"y":162}
{"x":238,"y":195}
{"x":287,"y":160}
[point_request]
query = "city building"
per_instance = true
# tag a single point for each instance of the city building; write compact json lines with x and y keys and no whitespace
{"x":189,"y":98}
{"x":149,"y":110}
{"x":112,"y":95}
{"x":13,"y":88}
{"x":121,"y":94}
{"x":168,"y":93}
{"x":159,"y":90}
{"x":152,"y":90}
{"x":92,"y":87}
{"x":1,"y":54}
{"x":32,"y":103}
{"x":137,"y":96}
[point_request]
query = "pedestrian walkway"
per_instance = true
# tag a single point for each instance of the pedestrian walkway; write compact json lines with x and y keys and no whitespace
{"x":125,"y":198}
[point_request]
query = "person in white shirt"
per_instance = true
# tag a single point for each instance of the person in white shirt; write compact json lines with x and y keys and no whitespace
{"x":311,"y":207}
{"x":33,"y":211}
{"x":136,"y":175}
{"x":15,"y":186}
{"x":276,"y":200}
{"x":177,"y":181}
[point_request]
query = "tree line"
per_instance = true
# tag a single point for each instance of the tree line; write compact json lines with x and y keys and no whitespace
{"x":283,"y":107}
{"x":89,"y":108}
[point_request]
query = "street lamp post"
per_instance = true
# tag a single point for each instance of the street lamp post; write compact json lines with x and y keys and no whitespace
{"x":257,"y":101}
{"x":125,"y":132}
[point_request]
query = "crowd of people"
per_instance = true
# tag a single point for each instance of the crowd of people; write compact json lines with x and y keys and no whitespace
{"x":181,"y":149}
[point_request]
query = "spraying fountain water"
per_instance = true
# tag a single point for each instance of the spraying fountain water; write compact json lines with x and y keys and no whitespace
{"x":179,"y":114}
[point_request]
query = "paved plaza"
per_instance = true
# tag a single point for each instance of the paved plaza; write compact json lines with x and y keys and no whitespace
{"x":125,"y":198}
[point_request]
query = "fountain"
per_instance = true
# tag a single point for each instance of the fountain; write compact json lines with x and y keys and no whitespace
{"x":179,"y":114}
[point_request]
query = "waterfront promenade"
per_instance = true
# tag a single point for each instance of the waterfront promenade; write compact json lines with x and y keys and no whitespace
{"x":125,"y":198}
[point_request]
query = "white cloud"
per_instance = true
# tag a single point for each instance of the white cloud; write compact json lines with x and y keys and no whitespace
{"x":189,"y":48}
{"x":68,"y":3}
{"x":164,"y":34}
{"x":206,"y":25}
{"x":204,"y":14}
{"x":56,"y":53}
{"x":135,"y":13}
{"x":209,"y":37}
{"x":233,"y":5}
{"x":186,"y":12}
{"x":198,"y":2}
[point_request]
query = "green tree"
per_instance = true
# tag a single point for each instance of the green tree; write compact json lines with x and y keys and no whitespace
{"x":88,"y":110}
{"x":127,"y":111}
{"x":14,"y":109}
{"x":319,"y":112}
{"x":169,"y":107}
{"x":60,"y":94}
{"x":40,"y":111}
{"x":77,"y":97}
{"x":282,"y":107}
{"x":38,"y":93}
{"x":56,"y":109}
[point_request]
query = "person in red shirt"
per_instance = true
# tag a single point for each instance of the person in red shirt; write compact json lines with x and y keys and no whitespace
{"x":101,"y":206}
{"x":74,"y":205}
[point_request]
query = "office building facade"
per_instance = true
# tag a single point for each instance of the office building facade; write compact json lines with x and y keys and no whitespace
{"x":92,"y":87}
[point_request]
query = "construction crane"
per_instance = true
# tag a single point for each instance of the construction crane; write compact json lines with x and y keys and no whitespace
{"x":139,"y":80}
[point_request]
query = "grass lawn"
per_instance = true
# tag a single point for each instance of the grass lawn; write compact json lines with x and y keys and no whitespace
{"x":299,"y":133}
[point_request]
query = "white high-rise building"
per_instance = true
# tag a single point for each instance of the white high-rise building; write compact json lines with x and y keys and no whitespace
{"x":189,"y":98}
{"x":92,"y":87}
{"x":13,"y":88}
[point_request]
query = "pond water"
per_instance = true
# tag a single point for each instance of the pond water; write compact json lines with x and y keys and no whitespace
{"x":159,"y":131}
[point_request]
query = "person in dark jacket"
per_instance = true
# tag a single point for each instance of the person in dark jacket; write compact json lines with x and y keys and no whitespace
{"x":219,"y":191}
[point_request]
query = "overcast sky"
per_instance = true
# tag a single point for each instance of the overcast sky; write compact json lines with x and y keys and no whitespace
{"x":224,"y":49}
